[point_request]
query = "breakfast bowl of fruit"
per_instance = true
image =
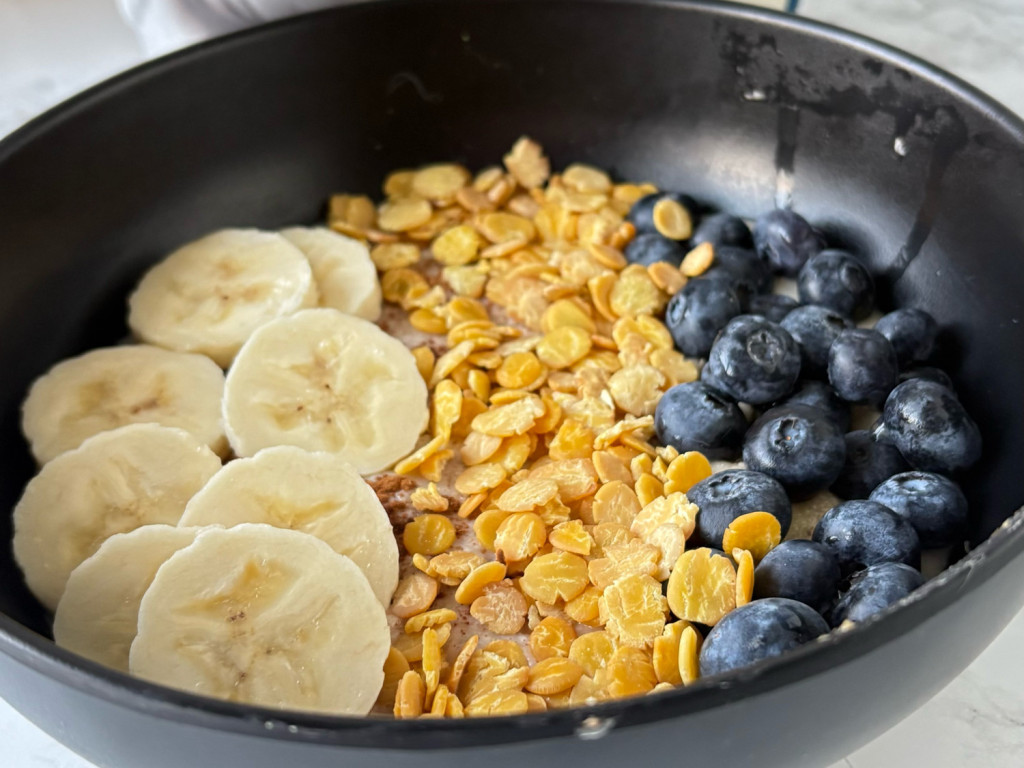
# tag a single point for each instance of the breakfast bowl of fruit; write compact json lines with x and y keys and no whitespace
{"x":419,"y":381}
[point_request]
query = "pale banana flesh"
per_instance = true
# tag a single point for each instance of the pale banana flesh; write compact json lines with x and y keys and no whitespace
{"x":326,"y":381}
{"x":317,"y":493}
{"x":115,"y":482}
{"x":98,"y":615}
{"x":265,"y":616}
{"x":114,"y":386}
{"x":211,"y":294}
{"x":344,"y":273}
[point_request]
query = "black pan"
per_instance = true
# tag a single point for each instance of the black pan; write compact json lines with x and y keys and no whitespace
{"x":744,"y":109}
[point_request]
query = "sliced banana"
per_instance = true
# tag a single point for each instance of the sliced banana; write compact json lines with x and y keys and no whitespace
{"x":262,"y":615}
{"x":98,"y":615}
{"x":110,"y":387}
{"x":345,"y":275}
{"x":114,"y":482}
{"x":326,"y":381}
{"x":211,"y":294}
{"x":318,"y":493}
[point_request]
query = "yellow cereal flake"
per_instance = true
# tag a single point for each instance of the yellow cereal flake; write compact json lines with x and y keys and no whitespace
{"x":702,"y":587}
{"x":478,"y":448}
{"x":394,"y":255}
{"x":697,"y":261}
{"x":439,"y":182}
{"x":665,"y":653}
{"x":686,"y":470}
{"x":450,"y":568}
{"x":450,"y":360}
{"x":428,"y":534}
{"x":668,"y":278}
{"x":756,"y":532}
{"x":446,"y":407}
{"x":566,"y":312}
{"x":572,"y":441}
{"x":676,"y":368}
{"x":410,"y":696}
{"x":632,"y":609}
{"x":553,"y":675}
{"x":558,"y":575}
{"x":427,"y":321}
{"x":473,"y":584}
{"x":482,"y":477}
{"x":501,"y":608}
{"x":576,"y":478}
{"x":403,"y":214}
{"x":400,"y":285}
{"x":486,"y":526}
{"x":564,"y":346}
{"x":637,"y":389}
{"x":520,"y":536}
{"x":521,"y":370}
{"x":459,"y":665}
{"x":672,"y":220}
{"x":634,"y":293}
{"x":552,"y":637}
{"x":674,"y":509}
{"x":498,"y":703}
{"x":429,"y":499}
{"x":352,"y":211}
{"x":511,"y":419}
{"x":571,"y":536}
{"x":527,"y":163}
{"x":429,"y":619}
{"x":600,"y":288}
{"x":615,"y":502}
{"x":631,"y":557}
{"x":586,"y":178}
{"x":609,"y":467}
{"x":415,"y":459}
{"x":395,"y":667}
{"x":411,"y":645}
{"x":431,"y":661}
{"x":648,"y":488}
{"x":744,"y":576}
{"x":414,"y":595}
{"x":630,"y":672}
{"x":642,"y":425}
{"x":607,"y":256}
{"x":433,"y":466}
{"x":466,"y":280}
{"x":690,"y":642}
{"x":584,"y":607}
{"x":527,"y":495}
{"x":514,"y":452}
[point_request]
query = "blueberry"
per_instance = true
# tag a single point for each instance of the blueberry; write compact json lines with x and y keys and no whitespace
{"x":726,"y":495}
{"x":761,"y":629}
{"x":797,"y":445}
{"x":698,"y":312}
{"x":933,"y":504}
{"x":642,"y":213}
{"x":800,"y":570}
{"x":692,"y":417}
{"x":837,"y":280}
{"x":863,"y":533}
{"x":862,"y":366}
{"x":818,"y":394}
{"x":868,"y":462}
{"x":937,"y":375}
{"x":911,"y":332}
{"x":930,"y":427}
{"x":875,"y":589}
{"x":814,"y":328}
{"x":722,"y":229}
{"x":772,"y":306}
{"x":646,"y":249}
{"x":786,"y":241}
{"x":753,"y":360}
{"x":748,"y":275}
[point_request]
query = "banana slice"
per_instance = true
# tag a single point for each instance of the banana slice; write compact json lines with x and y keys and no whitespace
{"x":325,"y":381}
{"x":262,"y":615}
{"x":211,"y":294}
{"x":110,"y":387}
{"x":318,"y":493}
{"x":114,"y":482}
{"x":98,"y":615}
{"x":345,"y":275}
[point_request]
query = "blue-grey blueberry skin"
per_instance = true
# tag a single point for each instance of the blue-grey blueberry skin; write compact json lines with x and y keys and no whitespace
{"x":786,"y":241}
{"x":697,"y":313}
{"x":800,"y":570}
{"x":932,"y":503}
{"x":772,"y":306}
{"x":911,"y":332}
{"x":650,"y":247}
{"x":818,"y":394}
{"x":761,"y":629}
{"x":862,"y":533}
{"x":869,"y":462}
{"x":692,"y":417}
{"x":937,"y":375}
{"x":724,"y":496}
{"x":753,"y":360}
{"x":641,"y":215}
{"x":839,"y":281}
{"x":798,"y":446}
{"x":930,"y":427}
{"x":873,"y":590}
{"x":748,"y":274}
{"x":815,"y":328}
{"x":862,"y":366}
{"x":722,"y":229}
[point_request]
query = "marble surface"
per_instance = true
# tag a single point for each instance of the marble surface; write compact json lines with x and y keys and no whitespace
{"x":50,"y":49}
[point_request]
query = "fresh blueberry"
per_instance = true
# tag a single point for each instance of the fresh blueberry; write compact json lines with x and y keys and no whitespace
{"x":797,"y":445}
{"x":786,"y":241}
{"x":911,"y":332}
{"x":692,"y":417}
{"x":815,"y":328}
{"x":748,"y":275}
{"x":874,"y":589}
{"x":818,"y":394}
{"x":647,"y":248}
{"x":869,"y":461}
{"x":761,"y":629}
{"x":930,"y":427}
{"x":933,"y":504}
{"x":937,"y":375}
{"x":642,"y":213}
{"x":698,"y":312}
{"x":863,"y":533}
{"x":862,"y":366}
{"x":772,"y":306}
{"x":726,"y":495}
{"x":753,"y":360}
{"x":837,"y":280}
{"x":800,"y":570}
{"x":722,"y":229}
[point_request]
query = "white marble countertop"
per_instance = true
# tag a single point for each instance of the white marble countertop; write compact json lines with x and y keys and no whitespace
{"x":50,"y":49}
